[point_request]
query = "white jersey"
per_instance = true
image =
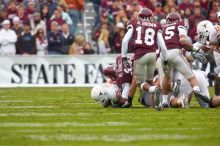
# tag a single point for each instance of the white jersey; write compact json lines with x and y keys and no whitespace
{"x":185,"y":85}
{"x":215,"y":31}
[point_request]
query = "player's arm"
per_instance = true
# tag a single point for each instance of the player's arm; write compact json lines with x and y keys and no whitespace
{"x":162,"y":45}
{"x":126,"y":40}
{"x":214,"y":43}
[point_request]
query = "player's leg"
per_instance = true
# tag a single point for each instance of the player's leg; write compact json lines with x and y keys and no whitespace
{"x":184,"y":68}
{"x":131,"y":93}
{"x":145,"y":98}
{"x":150,"y":62}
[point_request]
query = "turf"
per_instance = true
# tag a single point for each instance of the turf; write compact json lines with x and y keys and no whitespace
{"x":68,"y":117}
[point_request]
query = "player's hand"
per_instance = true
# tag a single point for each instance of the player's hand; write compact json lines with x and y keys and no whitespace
{"x":166,"y":67}
{"x":125,"y":62}
{"x":118,"y":94}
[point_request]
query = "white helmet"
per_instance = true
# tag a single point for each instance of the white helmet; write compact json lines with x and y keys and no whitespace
{"x":203,"y":30}
{"x":98,"y":92}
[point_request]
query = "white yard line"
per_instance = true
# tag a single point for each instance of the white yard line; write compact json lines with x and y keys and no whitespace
{"x":65,"y":124}
{"x":24,"y":107}
{"x":117,"y":138}
{"x":23,"y":101}
{"x":35,"y":114}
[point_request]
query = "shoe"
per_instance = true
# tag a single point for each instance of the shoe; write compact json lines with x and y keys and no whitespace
{"x":141,"y":101}
{"x":185,"y":101}
{"x":157,"y":93}
{"x":176,"y":88}
{"x":165,"y":105}
{"x":126,"y":105}
{"x":212,"y":76}
{"x":201,"y":96}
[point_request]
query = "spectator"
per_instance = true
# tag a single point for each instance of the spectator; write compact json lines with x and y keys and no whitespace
{"x":2,"y":5}
{"x":54,"y":38}
{"x":213,"y":17}
{"x":218,"y":17}
{"x":12,"y":11}
{"x":31,"y":9}
{"x":67,"y":39}
{"x":41,"y":42}
{"x":196,"y":3}
{"x":21,"y":14}
{"x":45,"y":16}
{"x":103,"y":41}
{"x":96,"y":6}
{"x":52,"y":5}
{"x":184,"y":5}
{"x":57,"y":18}
{"x":158,"y":13}
{"x":87,"y":49}
{"x":118,"y":37}
{"x":75,"y":7}
{"x":3,"y":15}
{"x":121,"y":17}
{"x":186,"y":15}
{"x":17,"y":26}
{"x":7,"y":39}
{"x":104,"y":22}
{"x":26,"y":42}
{"x":215,"y":6}
{"x":193,"y":21}
{"x":65,"y":16}
{"x":77,"y":47}
{"x":169,"y":4}
{"x":37,"y":23}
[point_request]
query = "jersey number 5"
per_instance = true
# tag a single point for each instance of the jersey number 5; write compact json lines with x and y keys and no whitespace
{"x":148,"y":36}
{"x":169,"y":32}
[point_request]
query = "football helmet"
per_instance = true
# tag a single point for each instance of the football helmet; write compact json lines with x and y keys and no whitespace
{"x":110,"y":72}
{"x":172,"y":18}
{"x":146,"y":14}
{"x":203,"y":30}
{"x":98,"y":93}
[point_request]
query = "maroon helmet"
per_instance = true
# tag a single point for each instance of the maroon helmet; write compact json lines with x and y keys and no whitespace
{"x":110,"y":72}
{"x":146,"y":14}
{"x":172,"y":18}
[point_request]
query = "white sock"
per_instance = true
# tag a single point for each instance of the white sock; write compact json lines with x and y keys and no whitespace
{"x":196,"y":89}
{"x":164,"y":99}
{"x":152,"y":88}
{"x":142,"y":86}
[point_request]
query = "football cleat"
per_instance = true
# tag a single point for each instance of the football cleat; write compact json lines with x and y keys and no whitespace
{"x":201,"y":96}
{"x":185,"y":101}
{"x":176,"y":88}
{"x":165,"y":105}
{"x":157,"y":93}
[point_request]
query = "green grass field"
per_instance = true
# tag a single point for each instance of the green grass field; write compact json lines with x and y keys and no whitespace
{"x":69,"y":117}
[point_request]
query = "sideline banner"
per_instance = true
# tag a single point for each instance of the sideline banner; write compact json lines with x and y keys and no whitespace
{"x":52,"y":71}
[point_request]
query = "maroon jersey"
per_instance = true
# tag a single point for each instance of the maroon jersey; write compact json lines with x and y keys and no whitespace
{"x":171,"y":35}
{"x":144,"y":35}
{"x":123,"y":75}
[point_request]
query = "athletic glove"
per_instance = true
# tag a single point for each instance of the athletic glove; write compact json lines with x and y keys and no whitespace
{"x":199,"y":55}
{"x":125,"y":62}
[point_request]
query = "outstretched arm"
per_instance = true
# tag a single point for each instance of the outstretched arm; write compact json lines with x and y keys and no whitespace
{"x":125,"y":42}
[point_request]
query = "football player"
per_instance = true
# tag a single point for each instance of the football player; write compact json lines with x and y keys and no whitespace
{"x":175,"y":36}
{"x":182,"y":91}
{"x":209,"y":38}
{"x":146,"y":36}
{"x":118,"y":89}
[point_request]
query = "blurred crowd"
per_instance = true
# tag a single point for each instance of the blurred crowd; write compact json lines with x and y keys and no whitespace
{"x":112,"y":16}
{"x":41,"y":27}
{"x":50,"y":26}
